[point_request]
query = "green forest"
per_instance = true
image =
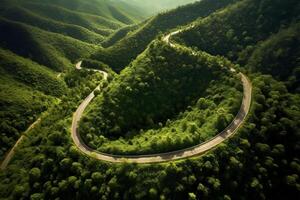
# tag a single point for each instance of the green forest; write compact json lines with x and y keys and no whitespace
{"x":124,"y":99}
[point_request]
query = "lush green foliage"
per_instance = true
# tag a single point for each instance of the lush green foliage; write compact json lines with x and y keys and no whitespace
{"x":240,"y":27}
{"x":26,"y":16}
{"x":279,"y":56}
{"x":199,"y":122}
{"x":95,"y":23}
{"x":123,"y":52}
{"x":146,"y":92}
{"x":97,"y":14}
{"x":49,"y":49}
{"x":118,"y":35}
{"x":23,"y":88}
{"x":154,"y":88}
{"x":36,"y":76}
{"x":260,"y":162}
{"x":20,"y":106}
{"x":243,"y":167}
{"x":36,"y":35}
{"x":94,"y":64}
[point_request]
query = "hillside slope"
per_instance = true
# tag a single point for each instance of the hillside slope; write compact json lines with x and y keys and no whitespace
{"x":261,"y":161}
{"x":159,"y":84}
{"x":89,"y":21}
{"x":279,"y":56}
{"x":120,"y":54}
{"x":28,"y":17}
{"x":237,"y":31}
{"x":113,"y":10}
{"x":49,"y":49}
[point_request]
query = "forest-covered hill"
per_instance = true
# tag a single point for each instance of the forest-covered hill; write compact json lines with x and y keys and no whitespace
{"x":162,"y":98}
{"x":131,"y":44}
{"x":39,"y":41}
{"x":151,"y":92}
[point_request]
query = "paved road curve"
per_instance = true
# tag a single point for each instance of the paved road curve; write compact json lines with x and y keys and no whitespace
{"x":174,"y":155}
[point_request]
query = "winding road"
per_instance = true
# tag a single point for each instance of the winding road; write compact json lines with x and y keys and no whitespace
{"x":169,"y":156}
{"x":151,"y":158}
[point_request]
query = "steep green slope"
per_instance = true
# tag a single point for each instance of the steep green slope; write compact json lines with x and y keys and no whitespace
{"x":118,"y":35}
{"x":120,"y":55}
{"x":20,"y":105}
{"x":241,"y":26}
{"x":36,"y":76}
{"x":261,"y":161}
{"x":94,"y":23}
{"x":49,"y":49}
{"x":279,"y":56}
{"x":158,"y":85}
{"x":112,"y":9}
{"x":89,"y":21}
{"x":27,"y":89}
{"x":115,"y":11}
{"x":26,"y":16}
{"x":39,"y":38}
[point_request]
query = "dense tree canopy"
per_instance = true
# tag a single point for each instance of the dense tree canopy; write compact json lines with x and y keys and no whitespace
{"x":261,"y":161}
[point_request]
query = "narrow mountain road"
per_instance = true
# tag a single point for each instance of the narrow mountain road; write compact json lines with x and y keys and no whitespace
{"x":169,"y":156}
{"x":11,"y":153}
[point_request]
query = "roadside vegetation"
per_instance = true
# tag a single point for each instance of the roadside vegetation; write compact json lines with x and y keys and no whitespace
{"x":52,"y":167}
{"x":139,"y":111}
{"x":20,"y":106}
{"x":128,"y":48}
{"x":261,"y":161}
{"x":258,"y":33}
{"x":27,"y":89}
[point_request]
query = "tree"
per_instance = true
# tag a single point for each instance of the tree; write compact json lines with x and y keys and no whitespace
{"x":55,"y":137}
{"x":221,"y":122}
{"x":97,"y":92}
{"x":214,"y":182}
{"x":37,"y":196}
{"x":73,"y":152}
{"x":76,"y":168}
{"x":97,"y":177}
{"x":19,"y":191}
{"x":291,"y":180}
{"x":65,"y":163}
{"x":72,"y":180}
{"x":203,"y":190}
{"x":153,"y":193}
{"x":192,"y":196}
{"x":34,"y":174}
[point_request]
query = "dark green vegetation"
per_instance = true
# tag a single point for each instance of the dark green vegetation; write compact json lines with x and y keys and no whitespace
{"x":52,"y":50}
{"x":39,"y":39}
{"x":20,"y":106}
{"x":128,"y":48}
{"x":260,"y":162}
{"x":94,"y":16}
{"x":243,"y":31}
{"x":279,"y":56}
{"x":27,"y":89}
{"x":153,"y":89}
{"x":118,"y":35}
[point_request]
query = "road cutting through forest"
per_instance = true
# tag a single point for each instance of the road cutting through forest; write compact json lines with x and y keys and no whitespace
{"x":169,"y":156}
